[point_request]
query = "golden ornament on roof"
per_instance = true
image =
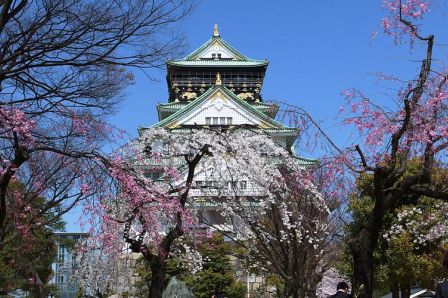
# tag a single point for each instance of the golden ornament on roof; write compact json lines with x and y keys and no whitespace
{"x":215,"y":30}
{"x":218,"y":79}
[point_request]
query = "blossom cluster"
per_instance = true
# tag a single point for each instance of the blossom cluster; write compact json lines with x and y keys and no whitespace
{"x":412,"y":9}
{"x":424,"y":225}
{"x":14,"y":119}
{"x":247,"y":170}
{"x":98,"y":272}
{"x":378,"y":123}
{"x":189,"y":258}
{"x":330,"y":279}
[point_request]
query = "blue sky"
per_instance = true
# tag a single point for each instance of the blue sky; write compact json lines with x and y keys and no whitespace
{"x":316,"y":49}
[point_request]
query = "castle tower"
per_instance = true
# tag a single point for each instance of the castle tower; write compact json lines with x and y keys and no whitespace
{"x":218,"y":87}
{"x":217,"y":71}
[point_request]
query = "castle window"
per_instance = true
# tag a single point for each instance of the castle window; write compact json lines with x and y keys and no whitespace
{"x":243,"y":184}
{"x":237,"y":185}
{"x":218,"y":120}
{"x":207,"y":184}
{"x":153,"y":175}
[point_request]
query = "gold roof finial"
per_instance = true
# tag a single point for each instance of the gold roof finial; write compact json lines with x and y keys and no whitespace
{"x":218,"y":79}
{"x":215,"y":30}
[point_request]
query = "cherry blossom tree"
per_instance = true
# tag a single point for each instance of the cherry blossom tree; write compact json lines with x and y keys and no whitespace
{"x":98,"y":275}
{"x":412,"y":127}
{"x":412,"y":242}
{"x":64,"y":67}
{"x":414,"y":246}
{"x":148,"y":217}
{"x":286,"y":236}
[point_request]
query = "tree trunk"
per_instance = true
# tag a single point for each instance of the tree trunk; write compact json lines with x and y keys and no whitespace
{"x":405,"y":291}
{"x":21,"y":156}
{"x":362,"y":264}
{"x":38,"y":288}
{"x":394,"y":290}
{"x":292,"y":290}
{"x":363,"y":246}
{"x":158,"y":270}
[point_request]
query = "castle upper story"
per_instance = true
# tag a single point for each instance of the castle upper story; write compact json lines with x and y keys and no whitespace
{"x":190,"y":77}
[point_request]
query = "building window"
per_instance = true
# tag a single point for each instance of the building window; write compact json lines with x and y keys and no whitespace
{"x":243,"y":185}
{"x":161,"y":147}
{"x":207,"y":184}
{"x":153,"y":175}
{"x":218,"y":120}
{"x":237,"y":185}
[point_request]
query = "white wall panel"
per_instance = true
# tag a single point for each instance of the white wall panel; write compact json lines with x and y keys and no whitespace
{"x":216,"y":49}
{"x":218,"y":107}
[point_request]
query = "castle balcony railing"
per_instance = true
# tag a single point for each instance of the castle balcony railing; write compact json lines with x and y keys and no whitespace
{"x":200,"y":82}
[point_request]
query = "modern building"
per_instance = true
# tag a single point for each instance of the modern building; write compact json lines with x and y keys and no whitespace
{"x":67,"y":262}
{"x":217,"y":87}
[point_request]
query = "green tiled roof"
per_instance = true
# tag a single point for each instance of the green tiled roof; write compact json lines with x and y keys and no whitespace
{"x":286,"y":131}
{"x":264,"y":105}
{"x":219,"y":40}
{"x":172,"y":105}
{"x":230,"y":94}
{"x":306,"y":162}
{"x":239,"y":59}
{"x":180,"y":105}
{"x":164,"y":110}
{"x":218,"y":63}
{"x":269,"y":109}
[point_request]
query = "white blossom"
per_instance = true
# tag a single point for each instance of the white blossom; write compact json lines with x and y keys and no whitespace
{"x":330,"y":279}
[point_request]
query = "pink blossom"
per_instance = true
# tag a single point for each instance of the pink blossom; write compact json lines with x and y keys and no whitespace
{"x":412,"y":9}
